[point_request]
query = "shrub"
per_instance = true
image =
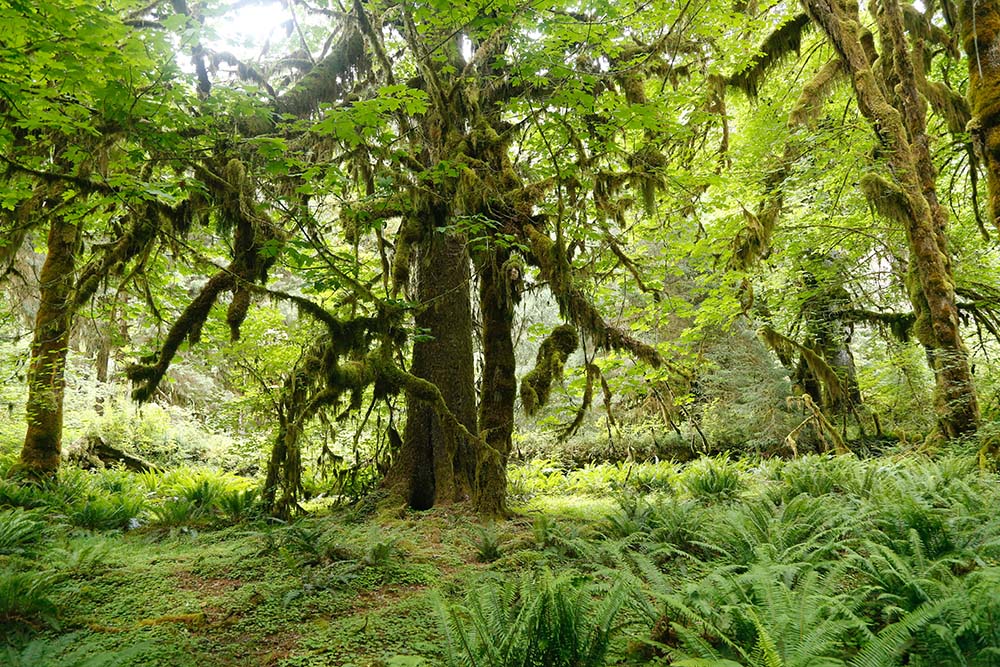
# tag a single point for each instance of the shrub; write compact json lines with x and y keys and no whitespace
{"x":239,"y":505}
{"x":106,"y":512}
{"x":15,"y":494}
{"x":487,"y":543}
{"x":176,"y":512}
{"x":65,"y":652}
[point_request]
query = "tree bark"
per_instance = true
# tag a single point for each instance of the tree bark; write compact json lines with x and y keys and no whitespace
{"x":980,"y":35}
{"x":436,"y":465}
{"x":497,"y":297}
{"x":900,"y":124}
{"x":46,"y":375}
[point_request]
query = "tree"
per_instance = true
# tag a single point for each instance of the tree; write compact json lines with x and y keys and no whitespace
{"x":86,"y":103}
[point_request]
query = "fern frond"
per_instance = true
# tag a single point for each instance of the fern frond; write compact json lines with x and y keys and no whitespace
{"x":884,"y":647}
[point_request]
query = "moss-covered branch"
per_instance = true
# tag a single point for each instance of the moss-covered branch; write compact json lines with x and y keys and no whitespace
{"x":549,"y":363}
{"x":576,"y":307}
{"x":775,"y":48}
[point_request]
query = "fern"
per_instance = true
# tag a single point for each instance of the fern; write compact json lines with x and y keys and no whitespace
{"x":882,"y":649}
{"x":20,"y":532}
{"x":26,"y":597}
{"x":537,"y":620}
{"x":63,"y":652}
{"x":238,"y":505}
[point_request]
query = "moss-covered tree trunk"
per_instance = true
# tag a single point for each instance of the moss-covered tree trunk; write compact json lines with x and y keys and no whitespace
{"x":46,"y":375}
{"x":980,"y":34}
{"x":895,"y":110}
{"x":435,"y":464}
{"x":497,"y":285}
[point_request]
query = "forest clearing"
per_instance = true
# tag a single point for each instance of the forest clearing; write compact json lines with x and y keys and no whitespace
{"x":506,"y":333}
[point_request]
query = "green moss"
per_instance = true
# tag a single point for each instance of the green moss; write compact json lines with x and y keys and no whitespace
{"x":549,"y":362}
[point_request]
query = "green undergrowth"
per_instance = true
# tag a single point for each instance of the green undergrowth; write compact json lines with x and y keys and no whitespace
{"x":815,"y":561}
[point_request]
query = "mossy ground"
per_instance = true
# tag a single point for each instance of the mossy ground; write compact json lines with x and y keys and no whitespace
{"x":239,"y":596}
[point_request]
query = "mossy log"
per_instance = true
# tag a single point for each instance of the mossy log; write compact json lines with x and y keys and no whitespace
{"x":92,"y":452}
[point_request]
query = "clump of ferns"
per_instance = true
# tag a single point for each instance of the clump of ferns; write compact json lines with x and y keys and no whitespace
{"x":805,"y":529}
{"x":779,"y":615}
{"x":21,"y":532}
{"x":537,"y":619}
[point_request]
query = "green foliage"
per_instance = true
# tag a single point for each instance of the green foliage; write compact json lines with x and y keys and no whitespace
{"x":20,"y":532}
{"x":27,"y":597}
{"x":66,"y":652}
{"x":174,"y":512}
{"x":27,"y":495}
{"x":240,"y":505}
{"x":106,"y":511}
{"x":82,"y":560}
{"x":536,"y":620}
{"x":713,"y":478}
{"x":381,"y":551}
{"x":488,"y":543}
{"x":815,"y":475}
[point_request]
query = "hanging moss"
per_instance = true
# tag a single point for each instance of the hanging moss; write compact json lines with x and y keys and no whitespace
{"x":809,"y":106}
{"x":331,"y":77}
{"x":237,"y":312}
{"x":784,"y":347}
{"x":980,"y":29}
{"x":147,"y":376}
{"x":588,"y":397}
{"x":634,"y":87}
{"x":775,"y":48}
{"x":886,"y":198}
{"x":947,"y":104}
{"x":754,"y":240}
{"x":575,"y":306}
{"x":410,"y":233}
{"x":549,"y":363}
{"x":646,"y":174}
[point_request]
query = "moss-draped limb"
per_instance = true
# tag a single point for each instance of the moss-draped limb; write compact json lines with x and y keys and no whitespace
{"x":980,"y":35}
{"x":575,"y":306}
{"x":832,"y":383}
{"x":145,"y":223}
{"x":147,"y":376}
{"x":775,"y":48}
{"x":549,"y":363}
{"x":329,"y":80}
{"x":592,"y":373}
{"x":902,"y":132}
{"x":810,"y":103}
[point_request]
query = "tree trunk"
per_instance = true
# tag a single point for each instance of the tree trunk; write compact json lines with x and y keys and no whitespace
{"x":980,"y":34}
{"x":435,"y":465}
{"x":499,"y":383}
{"x":901,"y":127}
{"x":46,"y":382}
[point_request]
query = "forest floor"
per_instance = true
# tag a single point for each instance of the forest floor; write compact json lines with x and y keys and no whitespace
{"x":340,"y":588}
{"x":861,"y":551}
{"x":330,"y":591}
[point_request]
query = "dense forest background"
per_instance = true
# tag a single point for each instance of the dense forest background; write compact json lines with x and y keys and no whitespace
{"x":697,"y":302}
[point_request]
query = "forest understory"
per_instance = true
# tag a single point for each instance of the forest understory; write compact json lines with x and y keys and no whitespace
{"x":815,"y":561}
